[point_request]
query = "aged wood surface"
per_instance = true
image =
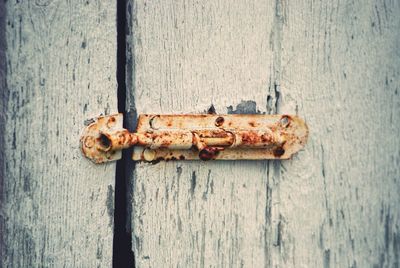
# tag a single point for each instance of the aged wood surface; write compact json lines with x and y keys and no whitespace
{"x":56,"y":206}
{"x":335,"y":204}
{"x":339,"y":202}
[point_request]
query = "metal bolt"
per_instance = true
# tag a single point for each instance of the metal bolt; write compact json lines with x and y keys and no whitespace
{"x":149,"y":154}
{"x":219,"y":121}
{"x":89,"y":142}
{"x":285,"y":121}
{"x":111,"y":122}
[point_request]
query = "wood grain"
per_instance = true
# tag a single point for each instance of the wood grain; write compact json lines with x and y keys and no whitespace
{"x":335,"y":204}
{"x":56,"y":206}
{"x":339,"y":200}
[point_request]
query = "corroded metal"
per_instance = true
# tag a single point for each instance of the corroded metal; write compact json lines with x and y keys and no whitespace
{"x":94,"y":141}
{"x":191,"y":137}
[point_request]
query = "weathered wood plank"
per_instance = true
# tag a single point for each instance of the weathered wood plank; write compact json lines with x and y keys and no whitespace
{"x":339,"y":201}
{"x":334,"y":204}
{"x":187,"y":56}
{"x":56,"y":206}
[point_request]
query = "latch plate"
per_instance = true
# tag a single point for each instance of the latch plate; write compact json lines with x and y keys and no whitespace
{"x":196,"y":136}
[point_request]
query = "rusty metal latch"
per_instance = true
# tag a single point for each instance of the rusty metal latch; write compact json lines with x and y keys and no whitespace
{"x":191,"y":137}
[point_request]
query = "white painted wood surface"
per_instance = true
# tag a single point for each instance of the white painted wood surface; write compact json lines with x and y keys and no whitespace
{"x":335,"y":63}
{"x":340,"y":200}
{"x":56,"y":206}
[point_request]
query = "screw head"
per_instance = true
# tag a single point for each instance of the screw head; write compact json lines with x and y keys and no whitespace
{"x":219,"y":121}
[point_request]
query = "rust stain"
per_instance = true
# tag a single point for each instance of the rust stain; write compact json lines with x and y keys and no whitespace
{"x":250,"y":138}
{"x":209,"y":153}
{"x":252,"y":124}
{"x":266,"y":138}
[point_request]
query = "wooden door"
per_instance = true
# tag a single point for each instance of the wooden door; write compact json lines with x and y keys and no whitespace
{"x":334,"y":63}
{"x":58,"y":65}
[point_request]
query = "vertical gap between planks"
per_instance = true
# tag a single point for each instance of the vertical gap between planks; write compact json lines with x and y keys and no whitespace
{"x":3,"y":100}
{"x":273,"y":232}
{"x":122,"y":242}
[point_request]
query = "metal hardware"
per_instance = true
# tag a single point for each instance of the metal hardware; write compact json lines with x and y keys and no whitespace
{"x":192,"y":137}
